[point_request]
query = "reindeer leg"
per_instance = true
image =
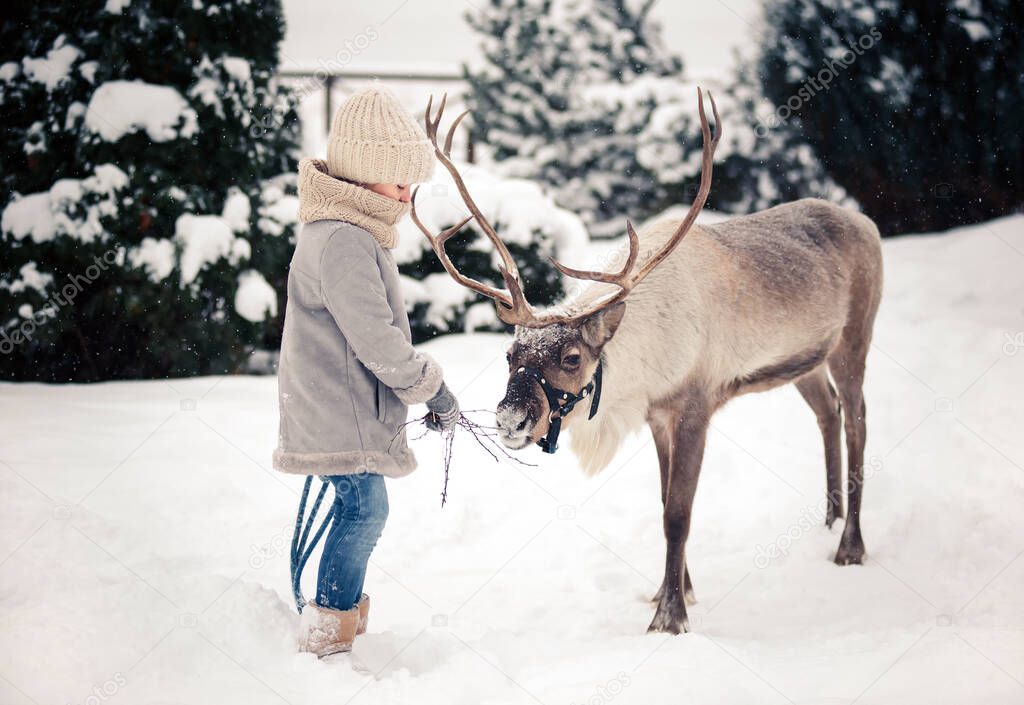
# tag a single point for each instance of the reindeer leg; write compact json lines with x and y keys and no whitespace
{"x":687,"y":454}
{"x":688,"y":595}
{"x":663,"y":444}
{"x":817,"y":391}
{"x":847,"y":366}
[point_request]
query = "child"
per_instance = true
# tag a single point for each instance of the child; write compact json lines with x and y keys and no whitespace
{"x":348,"y":369}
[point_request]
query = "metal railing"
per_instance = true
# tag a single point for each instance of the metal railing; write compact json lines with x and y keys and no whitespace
{"x":327,"y":80}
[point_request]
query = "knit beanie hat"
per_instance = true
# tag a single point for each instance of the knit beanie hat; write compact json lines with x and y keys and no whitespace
{"x":374,"y":140}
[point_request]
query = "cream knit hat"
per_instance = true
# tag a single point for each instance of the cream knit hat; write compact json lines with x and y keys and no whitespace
{"x":374,"y":140}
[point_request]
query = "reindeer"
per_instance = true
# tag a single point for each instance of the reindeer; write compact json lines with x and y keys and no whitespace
{"x":711,"y":312}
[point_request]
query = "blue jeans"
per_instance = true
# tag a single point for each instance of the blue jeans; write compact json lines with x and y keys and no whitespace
{"x":360,"y":510}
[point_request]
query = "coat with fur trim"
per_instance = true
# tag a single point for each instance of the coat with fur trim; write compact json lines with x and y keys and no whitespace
{"x":348,"y":369}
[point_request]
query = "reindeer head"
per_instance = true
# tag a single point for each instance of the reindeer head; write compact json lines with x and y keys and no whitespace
{"x":561,"y":357}
{"x":555,"y":357}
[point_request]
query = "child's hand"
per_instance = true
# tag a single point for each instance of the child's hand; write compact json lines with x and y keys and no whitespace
{"x":444,"y":408}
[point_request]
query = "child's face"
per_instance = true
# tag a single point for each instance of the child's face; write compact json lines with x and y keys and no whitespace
{"x":399,"y":192}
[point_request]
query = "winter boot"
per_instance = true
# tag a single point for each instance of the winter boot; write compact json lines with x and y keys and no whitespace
{"x":364,"y":613}
{"x":325,"y":631}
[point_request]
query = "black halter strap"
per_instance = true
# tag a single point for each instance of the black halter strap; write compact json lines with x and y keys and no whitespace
{"x":561,"y":402}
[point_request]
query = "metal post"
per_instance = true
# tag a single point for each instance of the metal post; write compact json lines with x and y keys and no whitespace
{"x":328,"y":80}
{"x":328,"y":107}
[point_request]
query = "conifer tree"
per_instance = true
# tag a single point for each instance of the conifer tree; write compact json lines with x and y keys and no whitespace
{"x":910,"y":105}
{"x":582,"y":96}
{"x":144,"y":187}
{"x":553,"y":98}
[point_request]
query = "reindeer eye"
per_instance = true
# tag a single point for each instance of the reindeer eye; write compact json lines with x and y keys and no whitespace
{"x":571,"y":360}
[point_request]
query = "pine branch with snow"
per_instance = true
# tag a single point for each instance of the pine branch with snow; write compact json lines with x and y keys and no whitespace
{"x":907,"y":104}
{"x":148,"y":145}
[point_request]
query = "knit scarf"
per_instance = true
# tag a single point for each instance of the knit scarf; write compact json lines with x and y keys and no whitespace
{"x":323,"y":197}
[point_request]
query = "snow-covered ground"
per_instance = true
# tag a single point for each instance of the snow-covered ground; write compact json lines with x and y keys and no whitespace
{"x":144,"y":539}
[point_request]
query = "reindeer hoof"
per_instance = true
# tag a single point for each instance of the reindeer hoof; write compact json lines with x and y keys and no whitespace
{"x":669,"y":627}
{"x":670,"y":619}
{"x":843,"y":558}
{"x":689,"y":598}
{"x":850,"y":553}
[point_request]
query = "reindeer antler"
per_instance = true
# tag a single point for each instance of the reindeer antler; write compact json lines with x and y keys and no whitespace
{"x":508,"y":308}
{"x":512,"y":307}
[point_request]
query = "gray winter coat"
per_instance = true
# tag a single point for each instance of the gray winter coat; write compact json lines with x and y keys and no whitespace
{"x":348,"y":368}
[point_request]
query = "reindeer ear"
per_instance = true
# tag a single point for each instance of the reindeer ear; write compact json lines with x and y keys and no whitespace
{"x":599,"y":328}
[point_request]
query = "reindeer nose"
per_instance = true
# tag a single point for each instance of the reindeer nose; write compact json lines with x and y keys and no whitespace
{"x":511,"y":419}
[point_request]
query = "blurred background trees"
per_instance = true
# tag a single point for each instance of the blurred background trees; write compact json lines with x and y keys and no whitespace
{"x":562,"y":94}
{"x":906,"y":108}
{"x":582,"y":96}
{"x":922,"y":128}
{"x":147,"y":165}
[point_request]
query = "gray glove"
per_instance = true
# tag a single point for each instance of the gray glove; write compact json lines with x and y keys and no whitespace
{"x":444,"y":409}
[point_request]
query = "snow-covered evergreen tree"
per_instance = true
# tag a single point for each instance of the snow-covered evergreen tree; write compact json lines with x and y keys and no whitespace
{"x":911,"y":106}
{"x":144,"y":188}
{"x":755,"y":168}
{"x":581,"y":95}
{"x":552,"y":98}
